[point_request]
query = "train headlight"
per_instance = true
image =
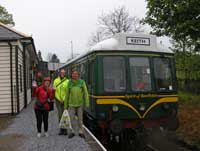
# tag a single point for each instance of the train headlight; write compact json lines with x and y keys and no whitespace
{"x":115,"y":108}
{"x":142,"y":107}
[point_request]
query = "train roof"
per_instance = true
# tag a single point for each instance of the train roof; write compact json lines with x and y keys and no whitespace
{"x":127,"y":42}
{"x":132,"y":42}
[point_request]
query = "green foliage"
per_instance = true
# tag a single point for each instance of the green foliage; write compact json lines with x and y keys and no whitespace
{"x":178,"y":19}
{"x":5,"y":17}
{"x":196,"y":142}
{"x":188,"y":66}
{"x":188,"y":71}
{"x":189,"y":98}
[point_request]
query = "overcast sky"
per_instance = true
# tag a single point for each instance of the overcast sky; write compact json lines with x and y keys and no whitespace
{"x":54,"y":23}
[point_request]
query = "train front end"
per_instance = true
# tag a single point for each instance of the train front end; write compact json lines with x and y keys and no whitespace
{"x":136,"y":85}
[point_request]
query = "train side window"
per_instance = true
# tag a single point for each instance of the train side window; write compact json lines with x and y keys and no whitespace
{"x":90,"y":73}
{"x":82,"y":71}
{"x":140,"y":74}
{"x":68,"y":73}
{"x":163,"y":74}
{"x":114,"y":73}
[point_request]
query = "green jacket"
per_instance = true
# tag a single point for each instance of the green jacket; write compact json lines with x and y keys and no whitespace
{"x":76,"y":94}
{"x":60,"y":88}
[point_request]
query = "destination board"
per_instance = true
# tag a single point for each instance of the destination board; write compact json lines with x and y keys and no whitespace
{"x":138,"y":41}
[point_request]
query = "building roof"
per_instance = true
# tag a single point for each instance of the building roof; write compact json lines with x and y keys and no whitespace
{"x":8,"y":33}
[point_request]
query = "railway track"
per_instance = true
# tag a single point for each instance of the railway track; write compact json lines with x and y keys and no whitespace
{"x":151,"y":148}
{"x":96,"y":145}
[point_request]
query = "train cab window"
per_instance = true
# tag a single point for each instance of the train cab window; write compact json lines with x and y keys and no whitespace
{"x":163,"y":74}
{"x":140,"y":74}
{"x":90,"y":73}
{"x":114,"y":73}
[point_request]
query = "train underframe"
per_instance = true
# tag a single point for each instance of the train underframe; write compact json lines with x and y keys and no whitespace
{"x":127,"y":134}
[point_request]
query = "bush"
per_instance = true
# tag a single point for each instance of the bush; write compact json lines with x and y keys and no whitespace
{"x":189,"y":98}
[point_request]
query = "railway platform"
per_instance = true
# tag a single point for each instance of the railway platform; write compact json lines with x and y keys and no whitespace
{"x":21,"y":135}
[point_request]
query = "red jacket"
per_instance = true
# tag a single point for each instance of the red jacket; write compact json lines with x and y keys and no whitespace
{"x":41,"y":95}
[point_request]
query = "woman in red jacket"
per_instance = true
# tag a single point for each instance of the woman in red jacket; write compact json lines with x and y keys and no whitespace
{"x":43,"y":95}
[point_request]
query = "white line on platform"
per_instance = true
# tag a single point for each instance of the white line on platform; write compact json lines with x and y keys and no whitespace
{"x":98,"y":142}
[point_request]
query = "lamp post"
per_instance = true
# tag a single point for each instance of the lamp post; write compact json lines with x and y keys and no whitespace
{"x":72,"y":49}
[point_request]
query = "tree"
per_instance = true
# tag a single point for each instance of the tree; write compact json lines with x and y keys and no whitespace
{"x":116,"y":21}
{"x":49,"y":56}
{"x":96,"y":37}
{"x":39,"y":55}
{"x":54,"y":59}
{"x":178,"y":19}
{"x":5,"y":17}
{"x":188,"y":71}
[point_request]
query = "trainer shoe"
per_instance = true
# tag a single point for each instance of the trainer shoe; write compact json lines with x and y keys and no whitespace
{"x":38,"y":135}
{"x":61,"y":132}
{"x":71,"y":135}
{"x":81,"y":135}
{"x":65,"y":132}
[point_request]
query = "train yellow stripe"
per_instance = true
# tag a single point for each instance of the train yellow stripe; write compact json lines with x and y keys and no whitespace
{"x":122,"y":102}
{"x":107,"y":97}
{"x":162,"y":100}
{"x":130,"y":96}
{"x":117,"y":101}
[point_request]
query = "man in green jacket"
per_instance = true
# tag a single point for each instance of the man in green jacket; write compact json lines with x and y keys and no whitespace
{"x":60,"y":86}
{"x":76,"y":98}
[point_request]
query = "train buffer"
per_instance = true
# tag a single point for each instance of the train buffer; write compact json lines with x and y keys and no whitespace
{"x":21,"y":135}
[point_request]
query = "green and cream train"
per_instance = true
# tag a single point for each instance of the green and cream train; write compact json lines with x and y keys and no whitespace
{"x":131,"y":82}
